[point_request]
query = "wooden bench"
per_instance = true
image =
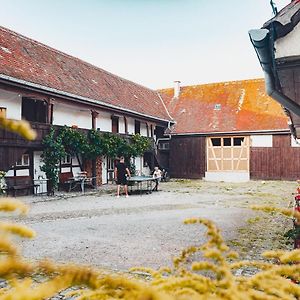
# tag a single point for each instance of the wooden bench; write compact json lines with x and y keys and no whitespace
{"x":19,"y":183}
{"x":69,"y":182}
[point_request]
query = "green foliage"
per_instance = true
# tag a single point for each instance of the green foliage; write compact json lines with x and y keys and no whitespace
{"x":53,"y":152}
{"x":139,"y":145}
{"x":96,"y":145}
{"x":74,"y":142}
{"x":112,"y":145}
{"x":294,"y":233}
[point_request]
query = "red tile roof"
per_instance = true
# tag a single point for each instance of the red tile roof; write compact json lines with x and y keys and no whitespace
{"x":244,"y":106}
{"x":25,"y":59}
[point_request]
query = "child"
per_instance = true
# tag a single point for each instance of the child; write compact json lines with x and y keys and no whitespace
{"x":157,"y":176}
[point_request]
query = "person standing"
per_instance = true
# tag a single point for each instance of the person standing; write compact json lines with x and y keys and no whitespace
{"x":120,"y":176}
{"x":157,"y":176}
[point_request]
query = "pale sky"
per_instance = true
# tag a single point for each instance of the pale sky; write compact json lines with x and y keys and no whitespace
{"x":151,"y":42}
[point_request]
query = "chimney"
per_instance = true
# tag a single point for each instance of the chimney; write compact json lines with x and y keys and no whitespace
{"x":176,"y":88}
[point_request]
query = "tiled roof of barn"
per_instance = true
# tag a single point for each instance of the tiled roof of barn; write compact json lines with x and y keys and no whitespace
{"x":31,"y":62}
{"x":224,"y":107}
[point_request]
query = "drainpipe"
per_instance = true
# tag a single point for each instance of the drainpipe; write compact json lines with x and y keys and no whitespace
{"x":264,"y":47}
{"x":165,"y":139}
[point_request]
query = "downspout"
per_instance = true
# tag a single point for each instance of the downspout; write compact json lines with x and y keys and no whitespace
{"x":264,"y":47}
{"x":162,"y":139}
{"x":169,"y":135}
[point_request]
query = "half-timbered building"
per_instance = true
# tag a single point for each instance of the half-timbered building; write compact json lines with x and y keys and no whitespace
{"x":47,"y":87}
{"x":229,"y":131}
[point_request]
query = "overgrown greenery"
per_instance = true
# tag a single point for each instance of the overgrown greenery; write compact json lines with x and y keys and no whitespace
{"x":53,"y":152}
{"x":87,"y":146}
{"x":294,"y":233}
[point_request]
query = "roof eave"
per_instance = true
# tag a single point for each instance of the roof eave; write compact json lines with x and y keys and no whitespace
{"x":80,"y":99}
{"x":246,"y":132}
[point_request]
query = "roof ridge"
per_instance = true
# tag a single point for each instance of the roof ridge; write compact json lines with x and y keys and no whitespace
{"x":226,"y":82}
{"x":71,"y":56}
{"x":218,"y":83}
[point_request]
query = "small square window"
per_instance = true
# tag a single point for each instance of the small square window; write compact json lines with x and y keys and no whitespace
{"x":227,"y":142}
{"x":67,"y":160}
{"x":23,"y":161}
{"x":164,"y":146}
{"x":217,"y":106}
{"x":216,"y":142}
{"x":238,"y":141}
{"x":19,"y":162}
{"x":26,"y":160}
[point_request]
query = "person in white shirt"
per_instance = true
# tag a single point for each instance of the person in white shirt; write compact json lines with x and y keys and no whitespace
{"x":157,"y":176}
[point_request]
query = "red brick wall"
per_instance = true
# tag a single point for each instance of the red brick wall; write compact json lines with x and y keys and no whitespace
{"x":88,"y":169}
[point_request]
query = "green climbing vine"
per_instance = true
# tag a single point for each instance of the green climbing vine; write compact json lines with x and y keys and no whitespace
{"x":53,"y":152}
{"x":88,"y":146}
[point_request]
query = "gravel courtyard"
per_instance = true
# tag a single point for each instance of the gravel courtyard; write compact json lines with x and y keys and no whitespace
{"x":119,"y":233}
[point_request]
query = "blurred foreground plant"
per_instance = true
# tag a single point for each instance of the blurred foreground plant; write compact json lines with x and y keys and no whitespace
{"x":20,"y":127}
{"x":211,"y":277}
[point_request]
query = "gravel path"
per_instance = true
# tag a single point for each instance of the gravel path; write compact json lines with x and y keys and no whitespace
{"x":146,"y":230}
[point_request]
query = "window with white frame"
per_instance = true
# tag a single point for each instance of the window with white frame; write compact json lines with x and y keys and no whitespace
{"x":23,"y":161}
{"x":67,"y":160}
{"x":164,"y":146}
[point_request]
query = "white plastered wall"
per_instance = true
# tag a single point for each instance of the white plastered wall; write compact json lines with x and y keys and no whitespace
{"x":104,"y":122}
{"x":13,"y":104}
{"x":261,"y":140}
{"x":130,"y":125}
{"x":138,"y":162}
{"x":143,"y":129}
{"x":121,"y":125}
{"x":288,"y":45}
{"x":69,"y":115}
{"x":227,"y":176}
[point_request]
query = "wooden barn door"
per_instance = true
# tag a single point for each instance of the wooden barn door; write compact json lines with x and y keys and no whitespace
{"x":228,"y":154}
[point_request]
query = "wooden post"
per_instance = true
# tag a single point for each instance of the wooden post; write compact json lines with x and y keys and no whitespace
{"x":49,"y":110}
{"x":94,"y":118}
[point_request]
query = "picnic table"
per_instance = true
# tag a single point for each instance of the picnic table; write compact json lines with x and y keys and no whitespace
{"x":142,"y":183}
{"x":82,"y":180}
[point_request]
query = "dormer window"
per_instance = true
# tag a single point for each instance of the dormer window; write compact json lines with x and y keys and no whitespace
{"x":217,"y":106}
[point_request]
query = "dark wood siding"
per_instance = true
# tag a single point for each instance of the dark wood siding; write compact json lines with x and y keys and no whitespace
{"x":12,"y":146}
{"x":281,"y":162}
{"x":187,"y":157}
{"x":9,"y":156}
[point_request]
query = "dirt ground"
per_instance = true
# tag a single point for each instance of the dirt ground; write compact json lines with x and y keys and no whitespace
{"x":119,"y":233}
